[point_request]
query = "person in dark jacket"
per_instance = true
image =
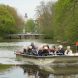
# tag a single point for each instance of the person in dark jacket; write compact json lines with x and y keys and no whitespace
{"x":45,"y":51}
{"x":33,"y":46}
{"x":34,"y":49}
{"x":60,"y":50}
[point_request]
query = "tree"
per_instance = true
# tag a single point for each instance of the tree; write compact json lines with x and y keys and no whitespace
{"x":30,"y":26}
{"x":66,"y":20}
{"x":18,"y":19}
{"x":59,"y":21}
{"x":44,"y":17}
{"x":8,"y":21}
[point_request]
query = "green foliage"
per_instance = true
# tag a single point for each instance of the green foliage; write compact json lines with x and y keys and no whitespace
{"x":66,"y":20}
{"x":8,"y":21}
{"x":18,"y":19}
{"x":30,"y":25}
{"x":59,"y":20}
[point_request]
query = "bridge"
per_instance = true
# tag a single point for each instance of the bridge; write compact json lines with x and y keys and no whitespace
{"x":24,"y":36}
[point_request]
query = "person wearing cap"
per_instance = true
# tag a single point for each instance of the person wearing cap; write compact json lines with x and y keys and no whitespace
{"x":68,"y":51}
{"x":60,"y":50}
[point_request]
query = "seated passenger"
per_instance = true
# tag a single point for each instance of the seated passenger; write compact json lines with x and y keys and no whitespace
{"x":45,"y":51}
{"x":34,"y":52}
{"x":24,"y":50}
{"x":68,"y":51}
{"x":60,"y":50}
{"x":40,"y":50}
{"x":46,"y":45}
{"x":52,"y":50}
{"x":29,"y":50}
{"x":33,"y":46}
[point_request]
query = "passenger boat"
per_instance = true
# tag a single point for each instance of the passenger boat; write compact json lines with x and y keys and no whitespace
{"x":44,"y":60}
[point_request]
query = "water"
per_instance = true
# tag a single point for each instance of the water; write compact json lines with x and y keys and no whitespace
{"x":38,"y":72}
{"x":11,"y":68}
{"x":7,"y":50}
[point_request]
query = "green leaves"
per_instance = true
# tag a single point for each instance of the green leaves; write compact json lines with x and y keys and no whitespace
{"x":30,"y":26}
{"x":59,"y":20}
{"x":9,"y":21}
{"x":65,"y":19}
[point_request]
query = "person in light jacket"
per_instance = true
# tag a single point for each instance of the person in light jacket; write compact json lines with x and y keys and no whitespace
{"x":68,"y":51}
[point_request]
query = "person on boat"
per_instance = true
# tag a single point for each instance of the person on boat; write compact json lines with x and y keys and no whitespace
{"x":29,"y":50}
{"x":46,"y":45}
{"x":40,"y":50}
{"x":34,"y":52}
{"x":24,"y":50}
{"x":33,"y":46}
{"x":68,"y":51}
{"x":46,"y":50}
{"x":60,"y":50}
{"x":34,"y":49}
{"x":52,"y":50}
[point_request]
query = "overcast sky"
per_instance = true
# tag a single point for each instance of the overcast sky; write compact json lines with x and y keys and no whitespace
{"x":24,"y":6}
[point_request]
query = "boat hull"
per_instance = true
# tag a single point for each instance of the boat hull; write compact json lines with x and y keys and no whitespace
{"x":43,"y":60}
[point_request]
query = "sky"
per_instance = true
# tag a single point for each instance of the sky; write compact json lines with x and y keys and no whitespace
{"x":24,"y":6}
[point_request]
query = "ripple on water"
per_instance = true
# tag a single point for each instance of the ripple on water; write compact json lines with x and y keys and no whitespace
{"x":8,"y":57}
{"x":10,"y":61}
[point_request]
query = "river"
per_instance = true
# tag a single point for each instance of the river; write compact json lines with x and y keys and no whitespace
{"x":10,"y":67}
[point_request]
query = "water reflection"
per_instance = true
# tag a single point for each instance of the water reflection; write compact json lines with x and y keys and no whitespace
{"x":31,"y":71}
{"x":4,"y":67}
{"x":51,"y":71}
{"x":34,"y":72}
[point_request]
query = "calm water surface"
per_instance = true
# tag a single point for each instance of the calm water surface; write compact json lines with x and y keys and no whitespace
{"x":11,"y":68}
